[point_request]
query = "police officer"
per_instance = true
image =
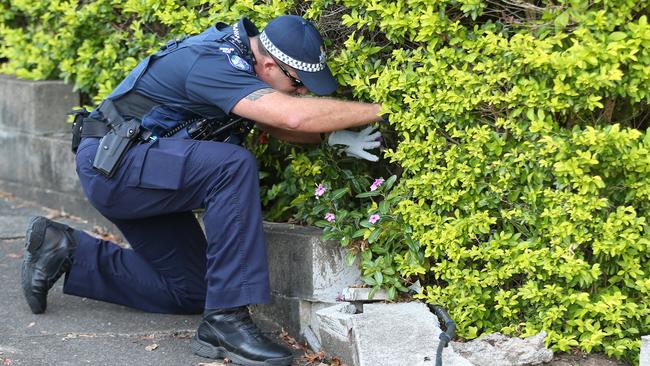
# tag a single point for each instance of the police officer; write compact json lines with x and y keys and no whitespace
{"x":160,"y":170}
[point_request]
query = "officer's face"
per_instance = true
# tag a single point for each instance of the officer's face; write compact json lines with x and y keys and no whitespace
{"x":282,"y":78}
{"x":291,"y":83}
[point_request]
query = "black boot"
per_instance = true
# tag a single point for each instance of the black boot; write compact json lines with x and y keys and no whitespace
{"x":49,"y":252}
{"x":231,"y":333}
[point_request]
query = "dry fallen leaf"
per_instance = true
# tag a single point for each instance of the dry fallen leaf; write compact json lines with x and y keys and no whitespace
{"x":7,"y":362}
{"x":313,"y":357}
{"x":14,"y":255}
{"x":104,"y":234}
{"x":7,"y":196}
{"x":56,"y":214}
{"x":151,"y":347}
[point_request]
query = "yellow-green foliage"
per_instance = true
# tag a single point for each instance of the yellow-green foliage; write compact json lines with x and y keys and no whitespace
{"x":523,"y":150}
{"x":95,"y":44}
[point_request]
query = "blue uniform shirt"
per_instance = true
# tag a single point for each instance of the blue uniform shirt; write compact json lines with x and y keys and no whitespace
{"x":201,"y":78}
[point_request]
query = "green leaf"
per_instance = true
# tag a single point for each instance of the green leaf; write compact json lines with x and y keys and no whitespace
{"x":369,"y":280}
{"x":322,"y":223}
{"x":562,"y":20}
{"x":368,"y":194}
{"x":329,"y":235}
{"x":384,"y":207}
{"x":359,"y":233}
{"x":379,"y":278}
{"x":366,"y":224}
{"x":391,"y":293}
{"x":339,"y":193}
{"x":530,"y":113}
{"x":617,"y":36}
{"x":371,"y":294}
{"x":388,"y":184}
{"x":374,"y":235}
{"x":350,"y":258}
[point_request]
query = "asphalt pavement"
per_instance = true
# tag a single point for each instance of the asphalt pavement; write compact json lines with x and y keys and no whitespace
{"x":75,"y":330}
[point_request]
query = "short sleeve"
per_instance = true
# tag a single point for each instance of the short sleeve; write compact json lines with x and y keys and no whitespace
{"x":214,"y":80}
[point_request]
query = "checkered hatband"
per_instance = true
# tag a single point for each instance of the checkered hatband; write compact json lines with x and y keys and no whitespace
{"x":288,"y":60}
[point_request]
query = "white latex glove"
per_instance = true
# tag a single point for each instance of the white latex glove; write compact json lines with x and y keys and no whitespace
{"x":356,"y":143}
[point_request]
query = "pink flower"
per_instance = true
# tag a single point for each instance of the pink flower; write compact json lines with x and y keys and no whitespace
{"x":376,"y":184}
{"x":320,"y":190}
{"x":330,"y":217}
{"x":373,"y":218}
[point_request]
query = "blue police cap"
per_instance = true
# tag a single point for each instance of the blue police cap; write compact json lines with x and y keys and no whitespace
{"x":297,"y":43}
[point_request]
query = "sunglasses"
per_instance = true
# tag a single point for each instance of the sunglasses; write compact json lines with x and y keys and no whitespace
{"x":294,"y":82}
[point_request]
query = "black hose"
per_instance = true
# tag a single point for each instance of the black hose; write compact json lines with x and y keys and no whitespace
{"x":447,"y":335}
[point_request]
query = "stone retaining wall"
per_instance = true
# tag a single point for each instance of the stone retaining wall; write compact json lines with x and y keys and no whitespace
{"x":36,"y":162}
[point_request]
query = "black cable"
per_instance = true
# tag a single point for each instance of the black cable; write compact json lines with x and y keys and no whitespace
{"x":447,"y":335}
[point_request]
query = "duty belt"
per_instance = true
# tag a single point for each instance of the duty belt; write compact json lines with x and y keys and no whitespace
{"x":119,"y":131}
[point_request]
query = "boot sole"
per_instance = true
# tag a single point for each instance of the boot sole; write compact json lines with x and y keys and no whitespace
{"x":33,"y":241}
{"x":208,"y":350}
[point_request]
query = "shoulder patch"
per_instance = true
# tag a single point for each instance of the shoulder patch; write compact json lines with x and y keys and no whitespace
{"x":239,"y":63}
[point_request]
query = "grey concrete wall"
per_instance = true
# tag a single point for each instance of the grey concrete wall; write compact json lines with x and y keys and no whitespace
{"x":36,"y":162}
{"x":306,"y":275}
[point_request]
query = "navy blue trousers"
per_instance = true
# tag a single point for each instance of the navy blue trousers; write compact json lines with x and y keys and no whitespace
{"x":173,"y":267}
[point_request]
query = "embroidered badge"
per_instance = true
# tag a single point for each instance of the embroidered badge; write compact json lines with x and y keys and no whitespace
{"x":239,"y":63}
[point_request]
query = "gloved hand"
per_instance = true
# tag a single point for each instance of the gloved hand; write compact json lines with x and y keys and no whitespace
{"x":356,"y":143}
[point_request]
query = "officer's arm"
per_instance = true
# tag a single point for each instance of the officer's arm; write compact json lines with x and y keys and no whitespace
{"x":305,"y":114}
{"x":291,"y":136}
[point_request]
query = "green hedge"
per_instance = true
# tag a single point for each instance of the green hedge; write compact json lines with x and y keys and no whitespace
{"x":518,"y":133}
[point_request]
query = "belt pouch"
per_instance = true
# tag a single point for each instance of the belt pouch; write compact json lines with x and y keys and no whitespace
{"x":79,"y":115}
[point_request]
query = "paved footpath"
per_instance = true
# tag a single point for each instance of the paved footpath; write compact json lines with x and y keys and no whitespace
{"x":74,"y":330}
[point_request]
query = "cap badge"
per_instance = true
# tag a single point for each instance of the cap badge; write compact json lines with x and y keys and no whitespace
{"x":322,"y":58}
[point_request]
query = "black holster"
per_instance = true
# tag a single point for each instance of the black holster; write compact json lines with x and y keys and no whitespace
{"x":113,"y":146}
{"x":119,"y":138}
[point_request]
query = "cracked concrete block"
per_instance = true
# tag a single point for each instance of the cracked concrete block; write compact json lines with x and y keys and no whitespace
{"x":399,"y":334}
{"x":335,"y":331}
{"x":499,"y":349}
{"x":363,"y":294}
{"x":291,"y":313}
{"x":301,"y":265}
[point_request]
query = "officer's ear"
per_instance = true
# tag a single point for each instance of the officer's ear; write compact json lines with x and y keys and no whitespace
{"x":268,"y":64}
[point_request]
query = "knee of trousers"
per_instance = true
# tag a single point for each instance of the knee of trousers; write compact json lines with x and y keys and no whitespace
{"x":243,"y":165}
{"x":245,"y":159}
